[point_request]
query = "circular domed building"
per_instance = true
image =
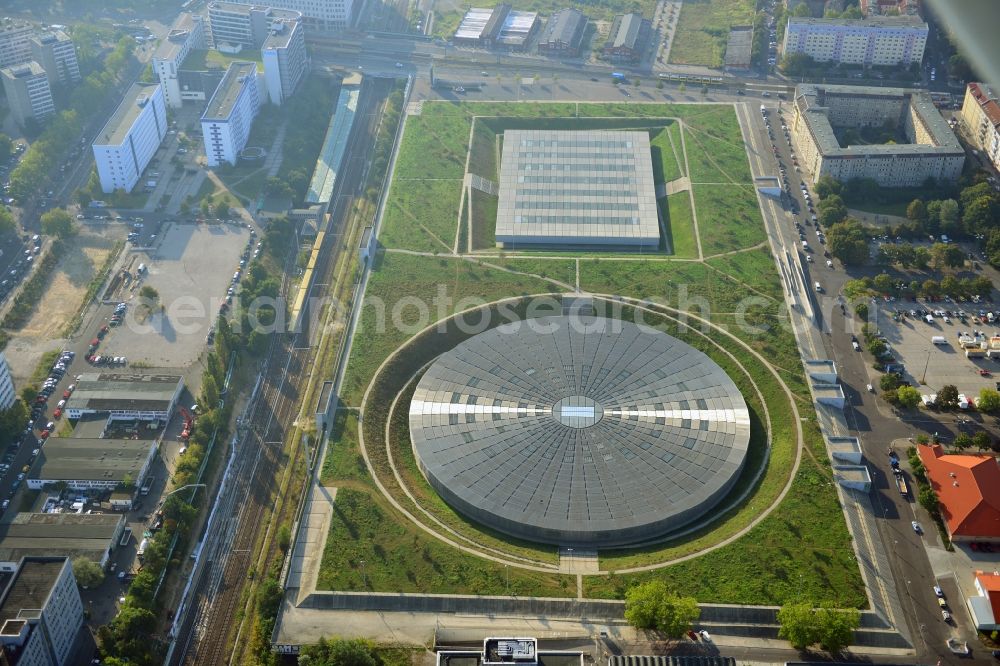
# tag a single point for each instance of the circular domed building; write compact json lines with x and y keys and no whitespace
{"x":579,"y":431}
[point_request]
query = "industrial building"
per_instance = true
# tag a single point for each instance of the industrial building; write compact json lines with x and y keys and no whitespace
{"x":932,"y":150}
{"x":7,"y":393}
{"x":40,"y":613}
{"x":495,"y":27}
{"x":563,"y":33}
{"x":234,"y":26}
{"x":186,"y":34}
{"x":968,"y":489}
{"x":15,"y":47}
{"x":227,"y":119}
{"x":579,"y":431}
{"x":56,"y":53}
{"x":879,"y":41}
{"x":130,"y":138}
{"x":739,"y":47}
{"x":577,"y":188}
{"x":89,"y":535}
{"x":981,"y":120}
{"x":28,"y":93}
{"x":284,"y":56}
{"x":628,"y":39}
{"x":91,"y":463}
{"x":985,"y":606}
{"x":125,"y":396}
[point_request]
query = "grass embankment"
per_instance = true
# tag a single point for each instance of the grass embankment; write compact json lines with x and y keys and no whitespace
{"x":676,"y":211}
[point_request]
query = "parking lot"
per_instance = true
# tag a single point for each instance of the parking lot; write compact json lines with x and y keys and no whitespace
{"x":191,"y":267}
{"x":930,"y":366}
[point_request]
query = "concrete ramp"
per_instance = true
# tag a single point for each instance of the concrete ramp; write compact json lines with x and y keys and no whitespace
{"x":308,"y":551}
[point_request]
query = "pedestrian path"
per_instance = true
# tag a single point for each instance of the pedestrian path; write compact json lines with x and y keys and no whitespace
{"x":303,"y":571}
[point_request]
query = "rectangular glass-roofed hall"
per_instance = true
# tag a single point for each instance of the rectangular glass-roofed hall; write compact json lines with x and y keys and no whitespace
{"x":569,"y":188}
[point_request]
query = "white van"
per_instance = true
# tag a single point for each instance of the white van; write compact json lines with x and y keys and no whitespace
{"x":819,"y":287}
{"x":929,"y":319}
{"x":939,"y":340}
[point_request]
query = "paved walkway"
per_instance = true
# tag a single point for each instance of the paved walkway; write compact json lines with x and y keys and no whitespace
{"x":308,"y":554}
{"x":682,"y":184}
{"x":274,"y":156}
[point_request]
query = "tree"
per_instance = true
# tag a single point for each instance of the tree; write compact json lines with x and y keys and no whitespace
{"x":982,"y":440}
{"x":653,"y":606}
{"x":339,"y":652}
{"x":827,"y":186}
{"x":889,"y":381}
{"x":149,"y":293}
{"x":797,"y":64}
{"x":6,"y":147}
{"x":883,"y":283}
{"x":831,"y":210}
{"x":980,"y":214}
{"x":958,"y":68}
{"x":222,"y":208}
{"x":989,"y":400}
{"x":916,"y":211}
{"x":88,"y":573}
{"x":929,"y":500}
{"x":831,"y":628}
{"x":946,"y":255}
{"x":962,"y":442}
{"x":848,"y":242}
{"x":57,"y":222}
{"x":907,"y":397}
{"x":947,"y":397}
{"x":802,"y":10}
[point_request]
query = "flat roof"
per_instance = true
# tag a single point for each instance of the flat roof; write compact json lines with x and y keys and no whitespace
{"x":517,"y":26}
{"x":120,"y":123}
{"x":873,"y":22}
{"x":30,"y":588}
{"x":856,"y":473}
{"x":225,"y":96}
{"x":180,"y":33}
{"x":277,"y":39}
{"x":50,"y":36}
{"x":564,"y":26}
{"x":739,"y":46}
{"x":78,"y":459}
{"x":577,"y":187}
{"x":30,"y":68}
{"x":112,"y":391}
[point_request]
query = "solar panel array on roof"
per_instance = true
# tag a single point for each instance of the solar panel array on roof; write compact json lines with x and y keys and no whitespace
{"x":579,"y":430}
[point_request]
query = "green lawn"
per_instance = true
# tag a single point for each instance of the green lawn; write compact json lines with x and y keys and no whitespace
{"x":484,"y":220}
{"x":448,"y":16}
{"x":877,"y":208}
{"x":676,"y":211}
{"x":715,"y":149}
{"x":422,"y":215}
{"x":370,"y":548}
{"x":563,"y":270}
{"x":434,"y":145}
{"x":703,"y":30}
{"x":212,"y":59}
{"x":728,"y":217}
{"x":665,"y":165}
{"x":387,"y":320}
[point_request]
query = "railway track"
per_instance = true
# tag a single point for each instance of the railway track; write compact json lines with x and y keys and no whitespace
{"x":245,"y":502}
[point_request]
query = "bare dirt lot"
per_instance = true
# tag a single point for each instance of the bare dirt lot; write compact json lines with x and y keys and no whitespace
{"x":83,"y":257}
{"x":190,"y":269}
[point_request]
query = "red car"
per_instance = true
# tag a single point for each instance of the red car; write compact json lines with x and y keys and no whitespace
{"x":66,"y":394}
{"x":45,"y":434}
{"x":56,"y":414}
{"x":95,"y":342}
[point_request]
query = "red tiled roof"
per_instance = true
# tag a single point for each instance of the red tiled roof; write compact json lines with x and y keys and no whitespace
{"x":968,"y":487}
{"x":990,"y":582}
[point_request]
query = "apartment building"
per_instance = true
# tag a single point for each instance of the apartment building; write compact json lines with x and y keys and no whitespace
{"x":981,"y":120}
{"x":14,"y":46}
{"x":56,"y":53}
{"x":234,"y":26}
{"x":128,"y":141}
{"x":186,"y":33}
{"x":323,"y":15}
{"x":876,"y":41}
{"x":932,"y":150}
{"x":230,"y":113}
{"x":284,"y":56}
{"x":28,"y":93}
{"x":40,"y":613}
{"x":889,"y":7}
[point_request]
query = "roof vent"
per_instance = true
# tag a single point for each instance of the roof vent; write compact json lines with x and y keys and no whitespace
{"x":141,"y":100}
{"x":952,"y":475}
{"x":955,"y":484}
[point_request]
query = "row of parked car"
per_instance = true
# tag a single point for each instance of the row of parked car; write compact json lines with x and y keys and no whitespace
{"x":48,"y":388}
{"x":20,"y":267}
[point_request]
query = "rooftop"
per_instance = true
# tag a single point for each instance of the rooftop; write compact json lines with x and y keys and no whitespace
{"x":280,"y":33}
{"x":810,"y":100}
{"x":225,"y":96}
{"x":968,"y":487}
{"x":112,"y":391}
{"x":48,"y":37}
{"x":23,"y":70}
{"x":334,"y":144}
{"x":739,"y":46}
{"x":987,"y":100}
{"x":473,"y":23}
{"x":561,"y":187}
{"x":901,"y":22}
{"x":517,"y":26}
{"x":180,"y":32}
{"x":626,"y":31}
{"x":70,"y":534}
{"x":989,"y":581}
{"x":78,"y":459}
{"x":120,"y":123}
{"x":564,"y":26}
{"x":30,"y":588}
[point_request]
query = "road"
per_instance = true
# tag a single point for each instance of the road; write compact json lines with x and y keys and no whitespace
{"x":908,"y":559}
{"x":245,"y":496}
